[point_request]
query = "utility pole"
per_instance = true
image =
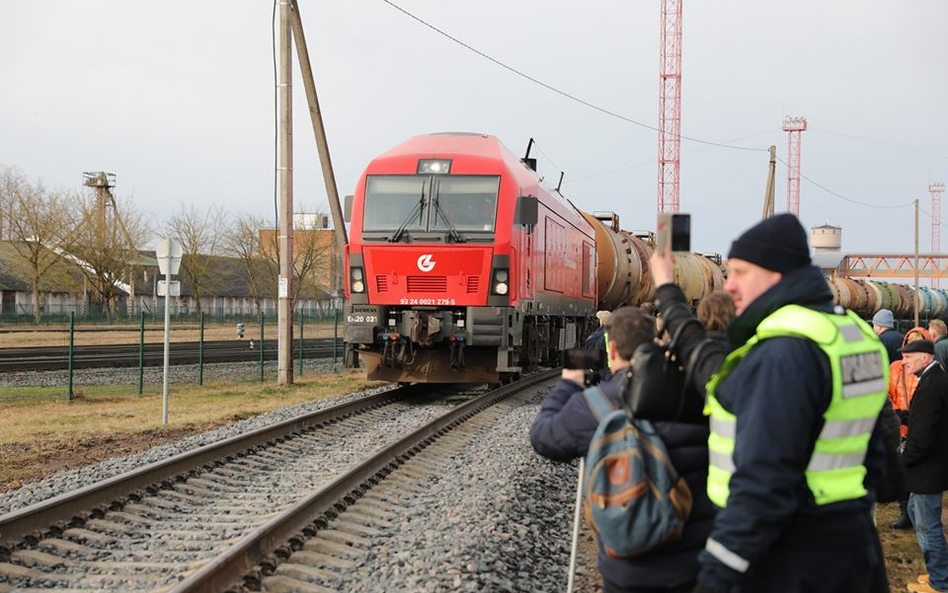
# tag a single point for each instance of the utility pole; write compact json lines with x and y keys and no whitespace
{"x":322,"y":145}
{"x":769,"y":190}
{"x":285,"y":239}
{"x":915,"y":304}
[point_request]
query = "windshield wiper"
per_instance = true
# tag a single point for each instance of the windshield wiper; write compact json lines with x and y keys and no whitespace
{"x":419,"y":209}
{"x":452,"y":231}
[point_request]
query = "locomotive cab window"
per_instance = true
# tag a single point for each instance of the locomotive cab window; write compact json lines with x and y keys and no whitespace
{"x":395,"y":200}
{"x":454,"y":206}
{"x":467,"y":203}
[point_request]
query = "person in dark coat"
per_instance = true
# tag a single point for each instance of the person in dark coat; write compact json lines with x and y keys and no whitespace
{"x":883,"y":323}
{"x":597,"y":339}
{"x":771,"y":535}
{"x":564,"y":428}
{"x":926,"y":461}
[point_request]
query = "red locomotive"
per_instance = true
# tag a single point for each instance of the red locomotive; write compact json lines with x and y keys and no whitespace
{"x":461,"y":267}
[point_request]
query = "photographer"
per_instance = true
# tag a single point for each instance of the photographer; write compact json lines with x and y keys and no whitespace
{"x":564,"y":428}
{"x":788,"y":471}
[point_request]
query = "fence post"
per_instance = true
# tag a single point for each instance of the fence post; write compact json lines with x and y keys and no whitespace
{"x":301,"y":342}
{"x":261,"y":347}
{"x":72,"y":333}
{"x":201,"y":353}
{"x":335,"y":335}
{"x":141,"y":352}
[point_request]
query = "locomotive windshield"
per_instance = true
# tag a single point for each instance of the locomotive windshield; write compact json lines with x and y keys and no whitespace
{"x":452,"y":204}
{"x":395,"y":200}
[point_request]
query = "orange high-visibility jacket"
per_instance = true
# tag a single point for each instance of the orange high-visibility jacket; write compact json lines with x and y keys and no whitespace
{"x":901,"y":384}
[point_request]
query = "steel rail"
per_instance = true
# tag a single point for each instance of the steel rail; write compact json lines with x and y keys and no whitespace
{"x":46,"y":358}
{"x":42,"y":516}
{"x":224,"y":572}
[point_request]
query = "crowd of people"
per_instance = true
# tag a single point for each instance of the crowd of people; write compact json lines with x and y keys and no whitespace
{"x":812,"y":416}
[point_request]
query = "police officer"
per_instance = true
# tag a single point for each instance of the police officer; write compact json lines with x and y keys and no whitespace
{"x":795,"y":446}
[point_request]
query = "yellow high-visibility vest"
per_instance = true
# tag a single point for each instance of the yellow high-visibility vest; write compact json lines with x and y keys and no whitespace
{"x":860,"y":381}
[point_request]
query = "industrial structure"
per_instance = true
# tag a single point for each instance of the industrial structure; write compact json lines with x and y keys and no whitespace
{"x":669,"y":107}
{"x":936,"y":189}
{"x":795,"y":126}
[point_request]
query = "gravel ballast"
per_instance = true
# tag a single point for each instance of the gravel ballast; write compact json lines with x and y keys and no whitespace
{"x":76,"y":478}
{"x":499,"y":519}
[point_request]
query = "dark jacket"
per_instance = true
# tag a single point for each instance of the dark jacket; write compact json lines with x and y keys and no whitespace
{"x":892,"y":486}
{"x":926,"y":450}
{"x":892,"y":340}
{"x":779,"y":393}
{"x":563,"y":430}
{"x":597,"y":339}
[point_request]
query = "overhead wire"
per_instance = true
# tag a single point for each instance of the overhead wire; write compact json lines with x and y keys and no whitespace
{"x":915,"y":149}
{"x":841,"y":196}
{"x":556,"y":90}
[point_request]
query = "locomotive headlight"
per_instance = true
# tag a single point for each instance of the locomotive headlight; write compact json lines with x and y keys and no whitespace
{"x":501,"y":279}
{"x":357,"y":279}
{"x":434,"y":166}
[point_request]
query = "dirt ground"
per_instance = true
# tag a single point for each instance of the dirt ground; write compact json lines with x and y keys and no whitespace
{"x":41,"y":436}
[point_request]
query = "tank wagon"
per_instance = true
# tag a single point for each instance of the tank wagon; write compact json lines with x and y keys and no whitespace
{"x":868,"y":296}
{"x":462,"y":267}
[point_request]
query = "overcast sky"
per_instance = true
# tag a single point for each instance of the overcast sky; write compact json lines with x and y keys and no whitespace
{"x":176,"y":98}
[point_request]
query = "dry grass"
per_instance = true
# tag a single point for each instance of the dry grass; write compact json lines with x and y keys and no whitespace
{"x":41,"y":437}
{"x":100,"y":335}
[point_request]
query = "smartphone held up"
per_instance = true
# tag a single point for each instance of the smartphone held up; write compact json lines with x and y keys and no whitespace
{"x":673,"y":231}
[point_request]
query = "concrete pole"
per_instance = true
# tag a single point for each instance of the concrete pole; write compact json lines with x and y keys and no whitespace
{"x":285,"y":287}
{"x":915,"y":304}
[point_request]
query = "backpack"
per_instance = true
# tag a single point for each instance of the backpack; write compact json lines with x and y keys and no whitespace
{"x":635,"y":500}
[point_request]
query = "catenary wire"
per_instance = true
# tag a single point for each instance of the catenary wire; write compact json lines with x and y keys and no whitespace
{"x":556,"y":90}
{"x":917,"y":150}
{"x":841,"y":196}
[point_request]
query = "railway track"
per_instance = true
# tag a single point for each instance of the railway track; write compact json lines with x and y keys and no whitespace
{"x":51,"y":358}
{"x":313,"y":491}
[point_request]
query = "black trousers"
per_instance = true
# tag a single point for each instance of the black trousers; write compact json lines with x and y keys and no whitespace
{"x":852,"y":569}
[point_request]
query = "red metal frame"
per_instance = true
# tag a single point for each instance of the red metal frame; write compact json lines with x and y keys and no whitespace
{"x":936,"y":189}
{"x":930,"y":265}
{"x":795,"y":126}
{"x":669,"y":107}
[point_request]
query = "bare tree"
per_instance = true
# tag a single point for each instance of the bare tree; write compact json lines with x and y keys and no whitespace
{"x":242,"y":242}
{"x":202,"y":236}
{"x":108,"y":256}
{"x":312,"y":251}
{"x":39,"y":226}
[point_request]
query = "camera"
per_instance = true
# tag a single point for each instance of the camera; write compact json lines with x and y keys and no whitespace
{"x":589,"y":360}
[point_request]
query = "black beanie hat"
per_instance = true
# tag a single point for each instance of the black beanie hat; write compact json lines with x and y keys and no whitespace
{"x":777,"y":243}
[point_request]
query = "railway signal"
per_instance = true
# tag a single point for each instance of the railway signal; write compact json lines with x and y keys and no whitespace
{"x":169,"y":254}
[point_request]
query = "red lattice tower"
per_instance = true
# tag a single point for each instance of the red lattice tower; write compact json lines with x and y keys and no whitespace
{"x":669,"y":107}
{"x":795,"y":126}
{"x":936,"y":189}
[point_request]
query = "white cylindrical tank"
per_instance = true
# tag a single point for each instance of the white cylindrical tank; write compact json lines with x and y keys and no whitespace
{"x":826,"y":238}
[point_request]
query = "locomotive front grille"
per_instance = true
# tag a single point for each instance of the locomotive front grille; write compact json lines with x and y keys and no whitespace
{"x":381,"y":283}
{"x":427,"y":284}
{"x":473,"y":282}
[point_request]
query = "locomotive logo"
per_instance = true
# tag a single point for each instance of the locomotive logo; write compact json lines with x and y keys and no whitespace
{"x":425,"y":264}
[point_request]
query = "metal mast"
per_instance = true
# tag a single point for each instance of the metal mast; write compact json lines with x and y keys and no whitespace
{"x":669,"y":107}
{"x":936,"y":189}
{"x":795,"y":126}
